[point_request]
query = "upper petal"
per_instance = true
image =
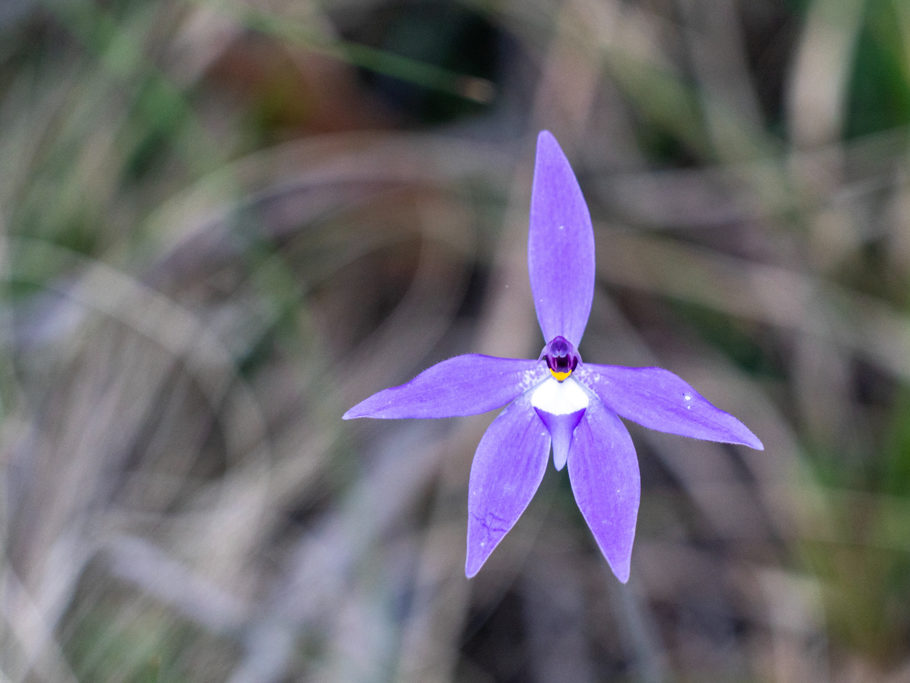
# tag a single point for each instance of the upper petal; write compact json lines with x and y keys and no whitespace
{"x":463,"y":385}
{"x":603,"y":471}
{"x":560,"y":245}
{"x":508,"y":467}
{"x":658,"y":399}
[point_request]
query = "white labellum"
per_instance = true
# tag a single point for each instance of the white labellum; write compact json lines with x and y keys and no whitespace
{"x":559,"y":398}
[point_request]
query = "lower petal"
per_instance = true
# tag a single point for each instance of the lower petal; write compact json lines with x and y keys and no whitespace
{"x":508,"y":467}
{"x":561,"y":428}
{"x":603,"y":471}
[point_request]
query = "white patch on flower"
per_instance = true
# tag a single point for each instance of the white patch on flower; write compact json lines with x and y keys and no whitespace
{"x":529,"y":378}
{"x":589,"y":378}
{"x":559,"y":398}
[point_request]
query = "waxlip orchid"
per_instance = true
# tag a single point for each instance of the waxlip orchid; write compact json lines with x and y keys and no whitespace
{"x":557,"y":401}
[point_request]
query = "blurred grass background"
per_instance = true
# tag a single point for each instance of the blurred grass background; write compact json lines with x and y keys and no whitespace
{"x":223,"y":222}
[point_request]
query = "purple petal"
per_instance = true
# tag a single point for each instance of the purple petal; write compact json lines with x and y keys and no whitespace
{"x":603,"y":471}
{"x":508,"y":467}
{"x":464,"y":385}
{"x":658,"y":399}
{"x":561,"y":428}
{"x":560,"y":246}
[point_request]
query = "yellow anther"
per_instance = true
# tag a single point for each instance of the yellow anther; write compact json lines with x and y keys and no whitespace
{"x":560,"y":376}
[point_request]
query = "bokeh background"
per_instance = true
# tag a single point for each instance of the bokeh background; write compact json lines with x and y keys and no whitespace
{"x":224,"y":222}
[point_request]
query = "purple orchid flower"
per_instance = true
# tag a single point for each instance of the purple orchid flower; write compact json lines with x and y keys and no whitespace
{"x":557,"y":401}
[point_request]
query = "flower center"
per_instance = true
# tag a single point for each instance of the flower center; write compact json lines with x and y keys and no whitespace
{"x":561,"y":357}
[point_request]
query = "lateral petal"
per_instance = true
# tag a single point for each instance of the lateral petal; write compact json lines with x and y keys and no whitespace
{"x":560,"y":245}
{"x":603,"y":471}
{"x":463,"y":385}
{"x":508,"y":467}
{"x":658,"y":399}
